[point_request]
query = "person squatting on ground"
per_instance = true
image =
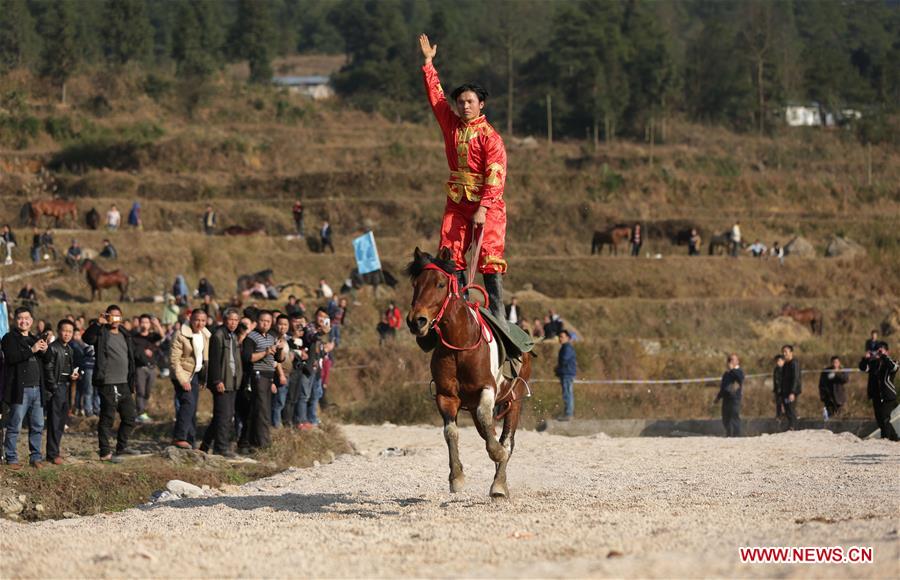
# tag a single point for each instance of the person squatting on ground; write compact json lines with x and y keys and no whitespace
{"x":833,"y":388}
{"x":190,"y":353}
{"x":146,"y":338}
{"x":777,"y":378}
{"x":114,"y":380}
{"x":731,"y":392}
{"x":223,"y":376}
{"x":566,"y":369}
{"x":881,"y":387}
{"x":260,"y":353}
{"x":23,"y":355}
{"x":791,"y":385}
{"x":59,"y":371}
{"x":477,"y":159}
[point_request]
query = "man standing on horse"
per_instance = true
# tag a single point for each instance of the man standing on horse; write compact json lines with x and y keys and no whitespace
{"x":477,"y":159}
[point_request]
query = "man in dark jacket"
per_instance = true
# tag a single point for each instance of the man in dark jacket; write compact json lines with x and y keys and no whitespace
{"x":832,"y":387}
{"x":114,"y":379}
{"x":731,"y":392}
{"x":882,"y":388}
{"x":59,"y":370}
{"x":145,"y":338}
{"x":566,"y":369}
{"x":777,"y":377}
{"x":224,"y":376}
{"x":23,"y":355}
{"x":790,"y":385}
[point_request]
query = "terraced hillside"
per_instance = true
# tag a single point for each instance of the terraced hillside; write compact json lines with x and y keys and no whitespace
{"x":663,"y":315}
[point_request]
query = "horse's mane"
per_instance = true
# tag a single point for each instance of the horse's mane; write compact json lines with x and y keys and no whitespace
{"x":418,"y":264}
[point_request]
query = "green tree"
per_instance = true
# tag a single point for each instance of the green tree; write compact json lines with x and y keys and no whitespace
{"x":197,"y":39}
{"x":19,"y":43}
{"x":60,"y":55}
{"x":651,"y":72}
{"x":127,"y":34}
{"x":251,"y":38}
{"x":718,"y":87}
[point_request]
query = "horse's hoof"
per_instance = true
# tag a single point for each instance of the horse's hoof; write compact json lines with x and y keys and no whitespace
{"x":499,"y":492}
{"x":457,"y":485}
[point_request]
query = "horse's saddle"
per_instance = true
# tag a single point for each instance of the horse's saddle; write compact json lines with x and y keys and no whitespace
{"x":512,"y":344}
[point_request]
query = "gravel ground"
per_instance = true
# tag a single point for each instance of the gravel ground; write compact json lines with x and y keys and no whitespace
{"x":581,"y":506}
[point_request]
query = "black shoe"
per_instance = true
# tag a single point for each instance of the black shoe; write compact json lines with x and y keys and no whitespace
{"x":128,"y":451}
{"x":564,"y":418}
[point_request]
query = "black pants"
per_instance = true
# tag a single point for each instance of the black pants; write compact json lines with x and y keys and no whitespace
{"x":256,"y":430}
{"x":218,"y":434}
{"x":790,"y":411}
{"x":186,"y":417}
{"x":779,"y":406}
{"x":115,"y":399}
{"x":883,"y":412}
{"x":288,"y":416}
{"x":57,"y":411}
{"x":326,"y":243}
{"x":731,"y":417}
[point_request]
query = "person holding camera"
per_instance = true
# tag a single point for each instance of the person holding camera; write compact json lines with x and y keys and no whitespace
{"x":114,"y":379}
{"x":146,"y":338}
{"x":882,"y":389}
{"x":299,"y":382}
{"x":59,"y":370}
{"x":731,"y":392}
{"x":260,"y":351}
{"x":224,"y":374}
{"x":23,"y":355}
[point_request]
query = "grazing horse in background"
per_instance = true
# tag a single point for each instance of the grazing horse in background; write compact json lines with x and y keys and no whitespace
{"x":619,"y":233}
{"x":246,"y":282}
{"x":811,"y":316}
{"x":242,"y":231}
{"x":92,"y":219}
{"x":98,"y":279}
{"x":55,"y":208}
{"x":720,"y":244}
{"x":465,"y":366}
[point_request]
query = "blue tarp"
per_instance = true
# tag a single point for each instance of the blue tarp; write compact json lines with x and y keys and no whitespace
{"x":4,"y":319}
{"x":366,"y":253}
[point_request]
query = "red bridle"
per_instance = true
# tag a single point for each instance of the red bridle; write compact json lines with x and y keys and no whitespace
{"x":454,"y":291}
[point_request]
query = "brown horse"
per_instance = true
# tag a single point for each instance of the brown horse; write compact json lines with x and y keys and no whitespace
{"x":464,"y":366}
{"x":98,"y":279}
{"x":54,"y":208}
{"x":619,"y":233}
{"x":811,"y":316}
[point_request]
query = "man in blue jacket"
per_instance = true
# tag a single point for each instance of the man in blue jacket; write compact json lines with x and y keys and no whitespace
{"x":566,"y":369}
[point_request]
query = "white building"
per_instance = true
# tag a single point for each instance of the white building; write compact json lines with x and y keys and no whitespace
{"x":314,"y":87}
{"x":803,"y":115}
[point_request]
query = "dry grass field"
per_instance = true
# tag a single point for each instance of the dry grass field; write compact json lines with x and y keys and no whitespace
{"x":252,"y":152}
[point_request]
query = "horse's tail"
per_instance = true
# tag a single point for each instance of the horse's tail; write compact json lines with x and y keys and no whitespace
{"x":25,"y":213}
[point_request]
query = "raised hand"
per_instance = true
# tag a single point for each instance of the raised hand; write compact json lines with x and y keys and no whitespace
{"x":428,"y":51}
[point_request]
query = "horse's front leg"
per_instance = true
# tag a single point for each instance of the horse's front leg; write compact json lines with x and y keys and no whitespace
{"x":449,"y":409}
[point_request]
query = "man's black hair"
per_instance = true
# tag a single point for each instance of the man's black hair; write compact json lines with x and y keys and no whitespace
{"x":21,"y":310}
{"x":112,"y":307}
{"x":779,"y":357}
{"x":145,"y":315}
{"x":282,"y":317}
{"x":251,"y":312}
{"x":835,"y":357}
{"x":479,"y":91}
{"x":64,"y":322}
{"x":262,"y":313}
{"x":566,"y":332}
{"x":790,"y":347}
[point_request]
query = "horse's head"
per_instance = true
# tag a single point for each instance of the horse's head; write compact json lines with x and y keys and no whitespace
{"x":431,"y":280}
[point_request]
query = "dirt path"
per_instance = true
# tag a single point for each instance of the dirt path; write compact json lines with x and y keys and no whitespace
{"x":580,"y":507}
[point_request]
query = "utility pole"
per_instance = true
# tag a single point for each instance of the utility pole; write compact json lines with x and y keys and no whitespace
{"x":869,"y":164}
{"x":549,"y":120}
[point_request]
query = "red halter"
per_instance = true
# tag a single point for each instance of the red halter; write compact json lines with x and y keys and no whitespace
{"x":454,"y":291}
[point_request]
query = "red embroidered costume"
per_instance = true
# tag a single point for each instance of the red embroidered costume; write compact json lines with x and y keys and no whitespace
{"x":477,"y":160}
